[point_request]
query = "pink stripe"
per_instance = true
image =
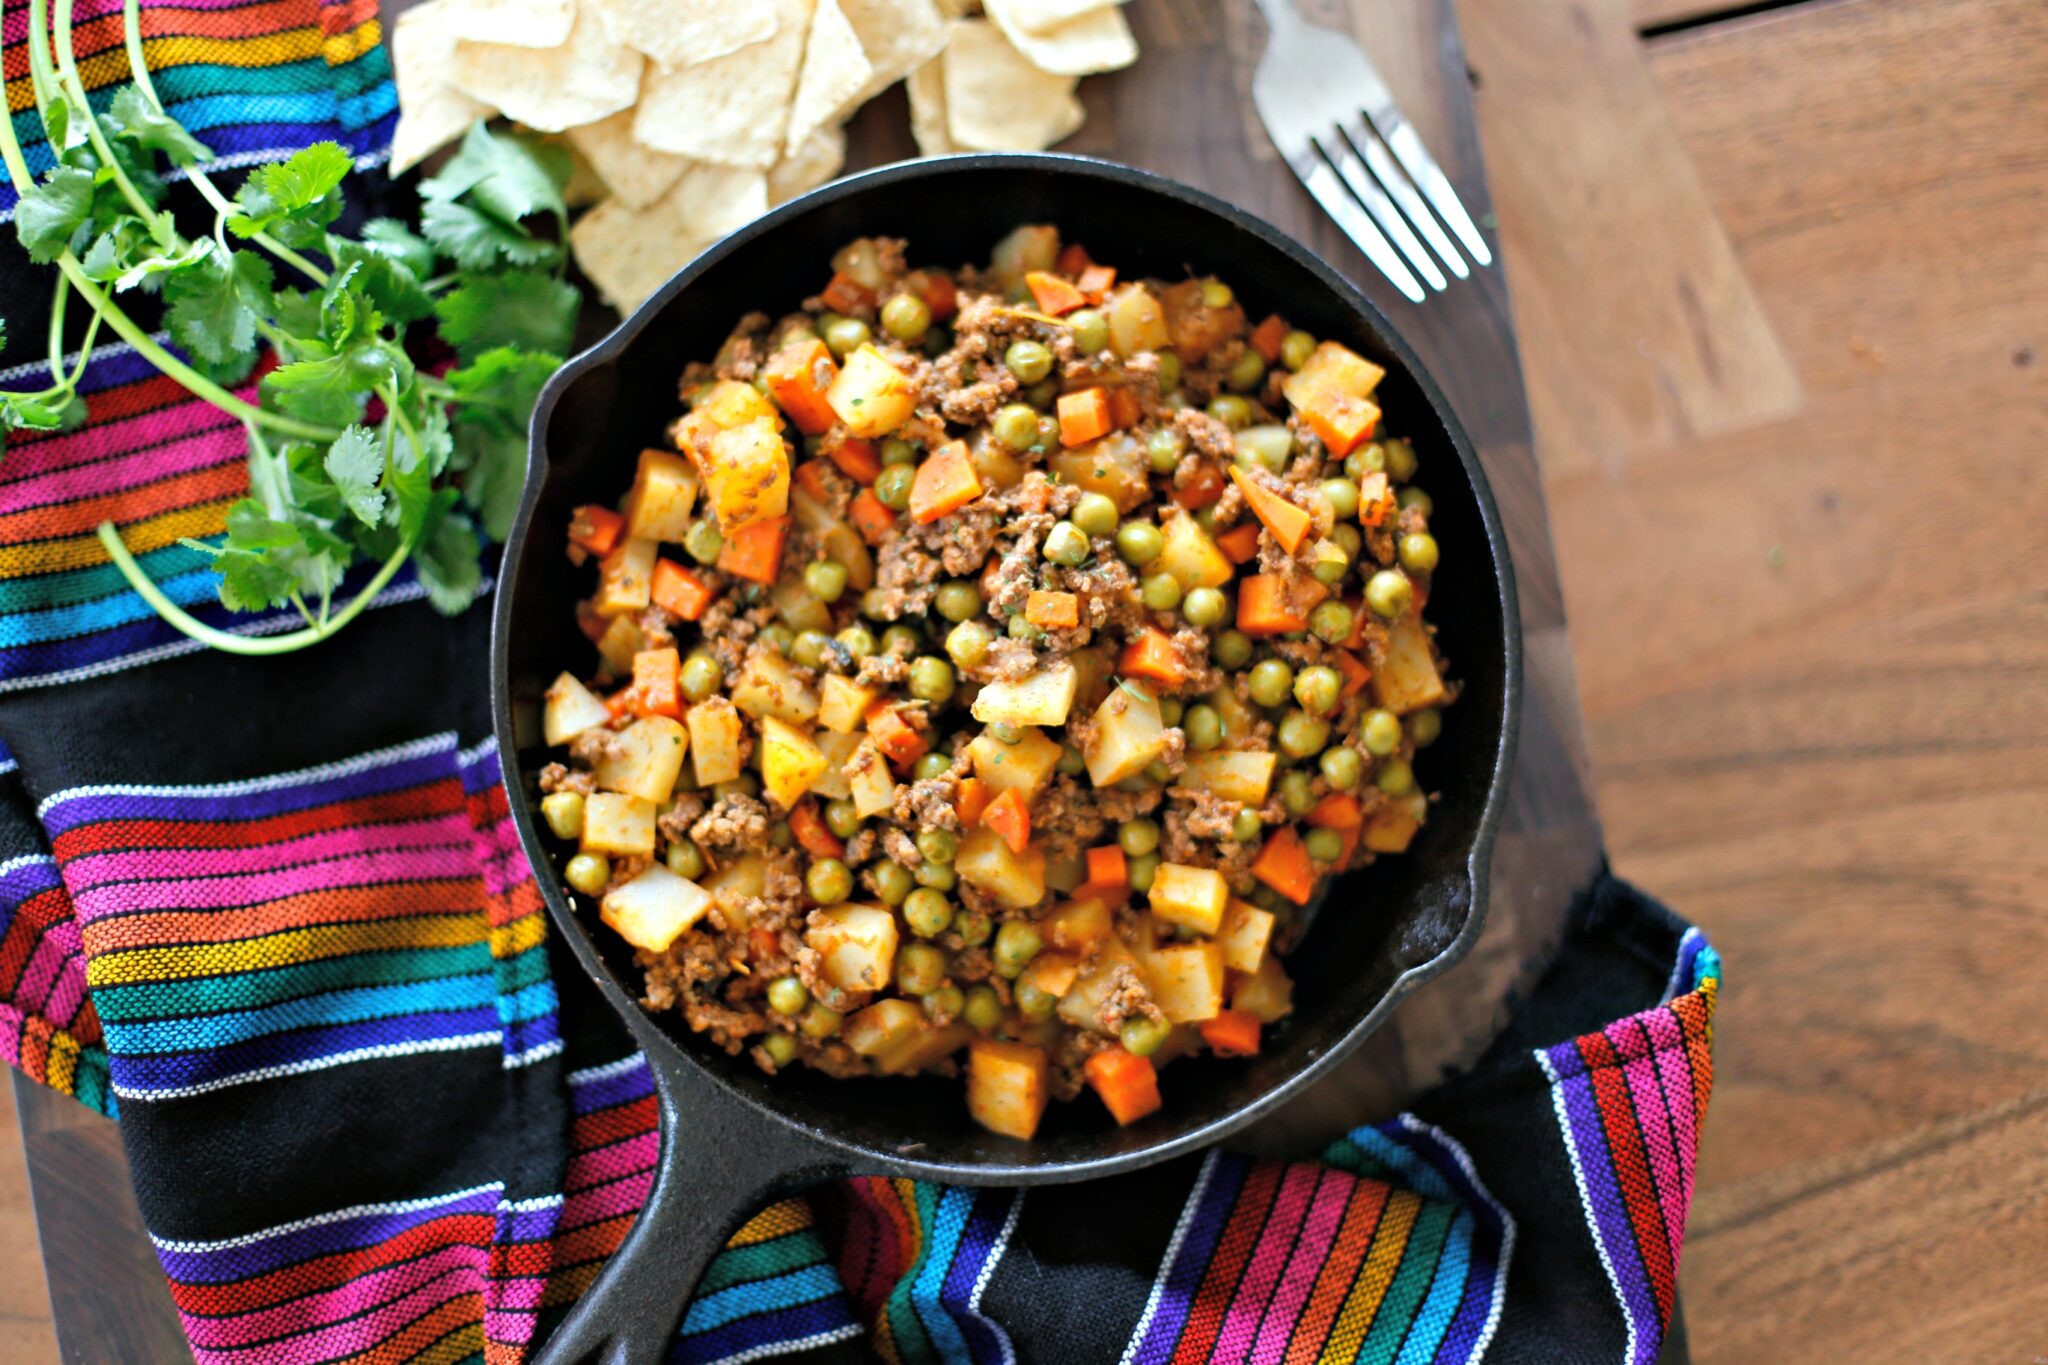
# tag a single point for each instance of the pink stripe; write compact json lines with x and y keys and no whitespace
{"x":515,"y":1296}
{"x":45,"y":970}
{"x":1647,"y":1095}
{"x":165,"y":864}
{"x":504,"y":862}
{"x":119,"y":437}
{"x":200,"y":450}
{"x":15,"y":30}
{"x":594,"y":1206}
{"x":636,"y":1153}
{"x":356,"y":1335}
{"x":1268,"y":1259}
{"x":357,"y":870}
{"x":1318,"y":1235}
{"x":462,"y":1266}
{"x":1676,"y":1077}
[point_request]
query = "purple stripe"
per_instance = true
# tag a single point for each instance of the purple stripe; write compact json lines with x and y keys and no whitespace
{"x":1184,"y":1276}
{"x":275,"y":1251}
{"x":480,"y":771}
{"x":69,"y":812}
{"x":632,"y":1084}
{"x":977,"y":1240}
{"x":176,"y":1070}
{"x":1606,"y":1208}
{"x":528,"y":1225}
{"x":22,"y":884}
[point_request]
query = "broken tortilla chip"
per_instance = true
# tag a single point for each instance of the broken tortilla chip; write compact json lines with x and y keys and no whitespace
{"x":898,"y":37}
{"x":997,"y":100}
{"x":629,"y":253}
{"x":733,"y":109}
{"x":677,"y":33}
{"x":639,"y":175}
{"x":1039,"y":16}
{"x":808,"y":165}
{"x":512,"y":23}
{"x":1098,"y":40}
{"x":584,"y":80}
{"x":834,"y":71}
{"x":710,"y":201}
{"x":431,"y":112}
{"x":926,"y":87}
{"x":584,"y":186}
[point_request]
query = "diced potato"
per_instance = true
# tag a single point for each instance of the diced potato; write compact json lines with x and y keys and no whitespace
{"x":1194,"y":896}
{"x":1052,"y":973}
{"x":1007,"y":1086}
{"x":1190,"y":556}
{"x":831,"y":784}
{"x":1406,"y":679}
{"x":622,"y":639}
{"x":842,"y":544}
{"x":1244,"y":775}
{"x":1392,"y":827}
{"x":570,"y":709}
{"x":790,"y":762}
{"x":1194,"y":324}
{"x":1017,"y":881}
{"x":1187,"y":981}
{"x":1335,"y":368}
{"x":929,"y":1045}
{"x":625,"y":579}
{"x":1245,"y":933}
{"x":1239,"y":723}
{"x":654,"y":909}
{"x":799,"y":609}
{"x":646,"y":759}
{"x":739,"y":881}
{"x":882,"y":1026}
{"x":843,"y":705}
{"x":871,"y":396}
{"x":618,"y":825}
{"x":1137,"y":322}
{"x":873,"y":785}
{"x":746,"y":473}
{"x":1128,"y":736}
{"x":768,"y":686}
{"x":1030,"y":247}
{"x":1267,"y":994}
{"x":995,"y":464}
{"x":664,"y":491}
{"x":1113,"y":466}
{"x":856,"y":945}
{"x":717,"y":741}
{"x":1078,"y":925}
{"x":1042,"y":698}
{"x":728,"y":403}
{"x":1026,"y":765}
{"x":1082,"y":1005}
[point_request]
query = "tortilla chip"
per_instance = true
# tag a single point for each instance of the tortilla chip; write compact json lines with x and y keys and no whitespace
{"x":1099,"y":40}
{"x":833,"y":72}
{"x":679,"y":32}
{"x":926,"y":87}
{"x":584,"y":186}
{"x":958,"y":9}
{"x":513,"y":23}
{"x":431,"y":113}
{"x":808,"y":165}
{"x":898,"y":36}
{"x":1040,"y":16}
{"x":629,"y":253}
{"x":997,"y":100}
{"x":639,"y":175}
{"x":710,"y":201}
{"x":731,"y":110}
{"x":584,"y":80}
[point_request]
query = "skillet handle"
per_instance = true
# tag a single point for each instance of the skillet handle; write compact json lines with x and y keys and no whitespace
{"x":719,"y":1163}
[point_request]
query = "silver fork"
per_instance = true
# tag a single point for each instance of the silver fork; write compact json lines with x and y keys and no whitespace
{"x":1334,"y":120}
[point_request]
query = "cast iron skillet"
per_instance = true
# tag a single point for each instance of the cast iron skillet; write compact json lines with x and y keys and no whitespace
{"x":733,"y":1138}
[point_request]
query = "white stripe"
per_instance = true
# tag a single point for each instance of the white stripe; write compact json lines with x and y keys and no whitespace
{"x":1671,"y":987}
{"x":610,"y":1069}
{"x":477,"y":752}
{"x":34,"y":369}
{"x":25,"y":860}
{"x":495,"y":1038}
{"x":988,"y":1270}
{"x":541,"y":1053}
{"x":1180,"y":1232}
{"x":339,"y":1215}
{"x":773,"y":1348}
{"x":533,"y":1205}
{"x":347,"y":767}
{"x":8,"y":765}
{"x":1564,"y":1130}
{"x":1507,"y":1224}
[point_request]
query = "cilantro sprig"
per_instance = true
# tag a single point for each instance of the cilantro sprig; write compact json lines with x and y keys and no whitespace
{"x":354,"y":454}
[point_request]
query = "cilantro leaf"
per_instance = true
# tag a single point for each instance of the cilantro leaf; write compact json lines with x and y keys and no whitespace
{"x":504,"y":377}
{"x":48,"y":214}
{"x":446,"y":563}
{"x":250,"y":581}
{"x":387,"y":280}
{"x":146,"y":272}
{"x":356,"y":462}
{"x":478,"y":241}
{"x":330,"y":390}
{"x":213,"y":306}
{"x":414,"y":469}
{"x":508,"y":178}
{"x":294,"y":199}
{"x":251,"y":528}
{"x":136,"y":119}
{"x":523,"y":308}
{"x":492,"y":451}
{"x":389,"y":237}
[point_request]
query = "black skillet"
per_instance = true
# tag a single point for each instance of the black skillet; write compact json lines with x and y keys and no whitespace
{"x":733,"y":1138}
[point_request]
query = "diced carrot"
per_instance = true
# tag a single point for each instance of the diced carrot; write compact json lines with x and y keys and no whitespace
{"x":1073,"y":259}
{"x":1010,"y":816}
{"x":798,"y":376}
{"x":939,"y":294}
{"x":1203,"y":487}
{"x":1355,"y":641}
{"x":1096,"y":281}
{"x":899,"y":743}
{"x":1338,"y":810}
{"x":1107,"y":867}
{"x":1356,"y":674}
{"x":755,"y":550}
{"x":1240,"y":544}
{"x":1233,"y":1033}
{"x":657,"y":683}
{"x":593,"y":625}
{"x":1053,"y":610}
{"x":1084,"y":416}
{"x":620,"y":703}
{"x":1341,"y":419}
{"x":1267,"y":336}
{"x":1052,"y":294}
{"x":1375,"y":500}
{"x":1123,"y":409}
{"x":870,"y":517}
{"x":1266,"y":607}
{"x":1127,"y":1084}
{"x":596,"y":529}
{"x":1288,"y":523}
{"x":809,"y":828}
{"x":678,"y":591}
{"x":810,"y":476}
{"x":972,"y":801}
{"x":1151,"y":655}
{"x":846,"y":294}
{"x":1284,"y":865}
{"x":856,"y":458}
{"x":945,"y":482}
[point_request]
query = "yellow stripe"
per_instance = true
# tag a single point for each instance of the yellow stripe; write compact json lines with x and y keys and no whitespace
{"x":278,"y":950}
{"x":60,"y":1071}
{"x":270,"y":49}
{"x":1347,"y":1334}
{"x":457,"y":1345}
{"x":777,"y":1220}
{"x":343,"y":48}
{"x":510,"y":940}
{"x":86,"y":552}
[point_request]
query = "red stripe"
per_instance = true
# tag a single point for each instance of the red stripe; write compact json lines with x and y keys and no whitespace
{"x":1226,"y":1266}
{"x":331,"y":905}
{"x":129,"y":504}
{"x":1631,"y":1166}
{"x":442,"y":796}
{"x":32,"y":919}
{"x":338,"y":1268}
{"x":1333,"y":1281}
{"x":607,"y":1126}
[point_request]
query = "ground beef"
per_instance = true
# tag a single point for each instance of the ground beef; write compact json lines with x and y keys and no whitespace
{"x":928,"y":803}
{"x":900,"y":848}
{"x":1126,"y":998}
{"x":839,"y":489}
{"x":556,"y":777}
{"x":1210,"y":816}
{"x":656,"y":628}
{"x":595,"y":745}
{"x":883,"y":670}
{"x":674,"y":823}
{"x":1206,"y":436}
{"x":733,"y":822}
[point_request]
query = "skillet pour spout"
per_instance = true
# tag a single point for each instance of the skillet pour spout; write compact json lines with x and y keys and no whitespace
{"x":733,"y":1138}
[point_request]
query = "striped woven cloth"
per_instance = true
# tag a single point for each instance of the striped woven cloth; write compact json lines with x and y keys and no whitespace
{"x":272,"y":916}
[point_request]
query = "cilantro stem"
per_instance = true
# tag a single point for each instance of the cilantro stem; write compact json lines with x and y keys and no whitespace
{"x":67,"y":68}
{"x":227,"y":641}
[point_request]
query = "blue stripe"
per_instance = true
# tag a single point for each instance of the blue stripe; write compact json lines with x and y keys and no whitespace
{"x":142,"y":1074}
{"x":807,"y":1285}
{"x":534,"y":1002}
{"x":72,"y":587}
{"x":1446,"y":1289}
{"x":333,"y":1007}
{"x":948,"y":1223}
{"x":64,"y":623}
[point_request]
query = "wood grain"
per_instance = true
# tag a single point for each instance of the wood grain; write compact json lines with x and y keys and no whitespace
{"x":25,"y":1323}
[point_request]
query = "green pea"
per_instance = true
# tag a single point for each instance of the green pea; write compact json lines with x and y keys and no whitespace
{"x":906,"y":317}
{"x":1091,"y":331}
{"x":1245,"y":826}
{"x":1418,"y":552}
{"x":1425,"y":725}
{"x":1247,"y":372}
{"x":1170,"y":711}
{"x":1266,"y":898}
{"x":1138,"y":837}
{"x":968,"y":643}
{"x":1302,"y":734}
{"x":929,"y":766}
{"x":1318,"y":688}
{"x":819,"y":1023}
{"x":944,"y":1003}
{"x":746,"y":784}
{"x":844,"y":336}
{"x":702,"y":540}
{"x":701,"y":676}
{"x":1232,"y":649}
{"x":938,"y":845}
{"x":875,"y":605}
{"x":1203,"y":727}
{"x":1028,"y":360}
{"x":1330,"y":621}
{"x":842,"y":817}
{"x":931,"y":679}
{"x":1216,"y":294}
{"x":1022,"y":629}
{"x":1347,"y":538}
{"x":1163,"y":450}
{"x":787,"y":995}
{"x":958,"y":600}
{"x":1015,"y":426}
{"x":1381,"y":732}
{"x":1016,"y":944}
{"x":1270,"y":682}
{"x":1071,"y":761}
{"x":685,"y":859}
{"x":858,"y":641}
{"x":589,"y":873}
{"x":1231,"y":410}
{"x":1370,"y":458}
{"x":1160,"y":592}
{"x":1342,"y":495}
{"x":1343,"y":768}
{"x":1064,"y":544}
{"x":1296,"y":348}
{"x":983,"y":1010}
{"x":893,"y":882}
{"x":825,"y":580}
{"x":1139,"y":542}
{"x":1395,"y":777}
{"x":781,"y":836}
{"x":974,"y":927}
{"x":920,"y":967}
{"x":892,"y":486}
{"x":1142,"y":1036}
{"x":564,"y":813}
{"x":936,"y":876}
{"x":829,"y":881}
{"x":1296,"y":793}
{"x":781,"y":1049}
{"x":808,"y":648}
{"x":927,"y":912}
{"x":1140,"y":871}
{"x":896,"y":450}
{"x":1034,"y":1002}
{"x":1330,"y":571}
{"x":938,"y":341}
{"x":1400,"y":460}
{"x":1157,"y":774}
{"x":1094,"y":514}
{"x":1416,"y":498}
{"x":1204,"y":607}
{"x":1003,"y":732}
{"x":1389,"y":594}
{"x":1325,"y":845}
{"x":902,"y":638}
{"x":1169,"y":371}
{"x":778,"y":637}
{"x":1269,"y":446}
